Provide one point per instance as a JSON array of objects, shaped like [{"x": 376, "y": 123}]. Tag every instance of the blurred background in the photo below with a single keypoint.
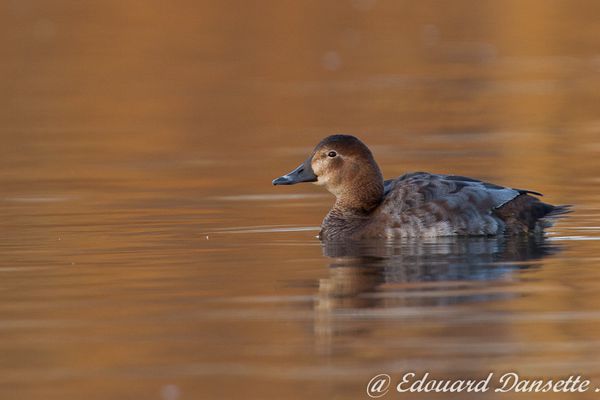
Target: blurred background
[
  {"x": 133, "y": 80},
  {"x": 145, "y": 253}
]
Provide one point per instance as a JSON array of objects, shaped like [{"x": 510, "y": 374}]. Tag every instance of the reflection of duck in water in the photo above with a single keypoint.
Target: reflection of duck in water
[
  {"x": 380, "y": 276},
  {"x": 418, "y": 204},
  {"x": 360, "y": 267}
]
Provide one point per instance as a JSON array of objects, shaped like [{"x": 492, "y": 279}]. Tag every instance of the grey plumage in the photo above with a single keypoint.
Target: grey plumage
[{"x": 424, "y": 204}]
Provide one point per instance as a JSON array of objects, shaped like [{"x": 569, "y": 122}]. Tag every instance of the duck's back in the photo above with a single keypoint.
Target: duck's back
[{"x": 424, "y": 204}]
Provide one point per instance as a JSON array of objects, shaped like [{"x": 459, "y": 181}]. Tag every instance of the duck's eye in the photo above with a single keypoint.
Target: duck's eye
[{"x": 332, "y": 154}]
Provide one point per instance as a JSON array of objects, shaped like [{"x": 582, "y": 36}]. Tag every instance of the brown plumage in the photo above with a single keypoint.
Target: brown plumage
[
  {"x": 415, "y": 204},
  {"x": 526, "y": 213}
]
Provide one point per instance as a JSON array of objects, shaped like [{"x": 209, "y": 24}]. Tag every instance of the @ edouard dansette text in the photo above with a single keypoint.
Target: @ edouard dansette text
[{"x": 505, "y": 382}]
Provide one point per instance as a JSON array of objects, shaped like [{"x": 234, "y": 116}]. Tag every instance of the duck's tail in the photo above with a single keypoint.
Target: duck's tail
[
  {"x": 555, "y": 213},
  {"x": 526, "y": 214}
]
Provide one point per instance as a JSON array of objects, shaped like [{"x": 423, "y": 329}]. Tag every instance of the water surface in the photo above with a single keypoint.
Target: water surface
[{"x": 146, "y": 255}]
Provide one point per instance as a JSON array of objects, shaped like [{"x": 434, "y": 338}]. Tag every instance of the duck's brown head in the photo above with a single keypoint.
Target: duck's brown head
[{"x": 345, "y": 166}]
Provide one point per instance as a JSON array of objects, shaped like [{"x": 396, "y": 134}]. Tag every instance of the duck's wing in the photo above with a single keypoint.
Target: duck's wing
[
  {"x": 446, "y": 204},
  {"x": 418, "y": 188}
]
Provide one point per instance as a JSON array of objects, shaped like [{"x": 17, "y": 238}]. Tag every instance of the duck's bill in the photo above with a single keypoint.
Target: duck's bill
[{"x": 303, "y": 173}]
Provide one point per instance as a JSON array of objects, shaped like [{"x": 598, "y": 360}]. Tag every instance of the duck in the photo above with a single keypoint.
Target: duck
[{"x": 416, "y": 204}]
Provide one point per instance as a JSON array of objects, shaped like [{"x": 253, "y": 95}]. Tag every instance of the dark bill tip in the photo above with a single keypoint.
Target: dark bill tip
[{"x": 282, "y": 180}]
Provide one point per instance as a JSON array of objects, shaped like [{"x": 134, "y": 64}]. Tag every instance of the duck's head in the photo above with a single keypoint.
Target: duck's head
[{"x": 346, "y": 167}]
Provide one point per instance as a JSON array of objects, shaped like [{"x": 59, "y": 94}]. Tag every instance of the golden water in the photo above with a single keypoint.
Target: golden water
[{"x": 145, "y": 254}]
